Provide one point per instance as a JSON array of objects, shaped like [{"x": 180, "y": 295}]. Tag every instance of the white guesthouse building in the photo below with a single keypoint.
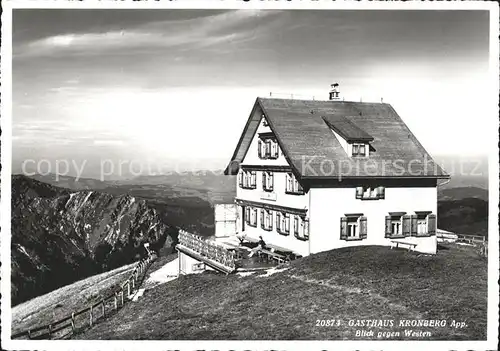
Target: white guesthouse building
[{"x": 318, "y": 175}]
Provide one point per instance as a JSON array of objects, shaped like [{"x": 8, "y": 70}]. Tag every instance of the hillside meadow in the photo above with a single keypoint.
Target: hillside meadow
[{"x": 348, "y": 287}]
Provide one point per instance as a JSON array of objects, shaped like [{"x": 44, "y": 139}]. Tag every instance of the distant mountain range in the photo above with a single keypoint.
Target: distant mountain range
[
  {"x": 185, "y": 200},
  {"x": 450, "y": 194},
  {"x": 59, "y": 235}
]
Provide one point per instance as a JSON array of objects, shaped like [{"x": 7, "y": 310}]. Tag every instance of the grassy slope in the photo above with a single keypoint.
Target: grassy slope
[
  {"x": 349, "y": 283},
  {"x": 63, "y": 301}
]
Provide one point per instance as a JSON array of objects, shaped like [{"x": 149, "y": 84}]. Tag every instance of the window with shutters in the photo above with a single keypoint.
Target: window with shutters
[
  {"x": 394, "y": 224},
  {"x": 266, "y": 219},
  {"x": 292, "y": 185},
  {"x": 251, "y": 216},
  {"x": 283, "y": 223},
  {"x": 353, "y": 227},
  {"x": 424, "y": 223},
  {"x": 248, "y": 179},
  {"x": 370, "y": 193},
  {"x": 268, "y": 146},
  {"x": 267, "y": 181},
  {"x": 301, "y": 227},
  {"x": 400, "y": 225}
]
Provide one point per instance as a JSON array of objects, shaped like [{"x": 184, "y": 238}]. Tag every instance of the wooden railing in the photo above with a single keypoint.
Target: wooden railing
[
  {"x": 207, "y": 249},
  {"x": 477, "y": 241},
  {"x": 471, "y": 239},
  {"x": 85, "y": 318}
]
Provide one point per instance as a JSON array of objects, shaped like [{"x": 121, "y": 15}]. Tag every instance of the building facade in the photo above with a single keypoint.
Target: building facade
[{"x": 318, "y": 175}]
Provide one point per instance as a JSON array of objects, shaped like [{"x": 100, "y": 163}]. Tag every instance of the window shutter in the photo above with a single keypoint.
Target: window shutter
[
  {"x": 271, "y": 220},
  {"x": 253, "y": 179},
  {"x": 271, "y": 181},
  {"x": 287, "y": 223},
  {"x": 300, "y": 189},
  {"x": 363, "y": 229},
  {"x": 431, "y": 224},
  {"x": 343, "y": 228},
  {"x": 359, "y": 192},
  {"x": 264, "y": 180},
  {"x": 381, "y": 192},
  {"x": 260, "y": 148},
  {"x": 278, "y": 219},
  {"x": 240, "y": 179},
  {"x": 362, "y": 151},
  {"x": 306, "y": 228},
  {"x": 388, "y": 229},
  {"x": 413, "y": 225},
  {"x": 406, "y": 225},
  {"x": 274, "y": 150},
  {"x": 262, "y": 218}
]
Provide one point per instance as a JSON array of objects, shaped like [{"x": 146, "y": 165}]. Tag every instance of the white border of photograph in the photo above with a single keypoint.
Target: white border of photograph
[{"x": 490, "y": 143}]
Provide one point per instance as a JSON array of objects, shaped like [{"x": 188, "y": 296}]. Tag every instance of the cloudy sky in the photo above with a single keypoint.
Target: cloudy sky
[{"x": 176, "y": 86}]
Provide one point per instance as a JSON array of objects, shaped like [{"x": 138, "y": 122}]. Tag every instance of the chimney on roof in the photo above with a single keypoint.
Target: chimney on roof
[{"x": 334, "y": 92}]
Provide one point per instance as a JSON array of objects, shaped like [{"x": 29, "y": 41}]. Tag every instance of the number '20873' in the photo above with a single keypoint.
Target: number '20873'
[{"x": 327, "y": 322}]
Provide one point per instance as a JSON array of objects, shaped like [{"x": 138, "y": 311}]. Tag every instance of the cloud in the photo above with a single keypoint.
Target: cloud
[
  {"x": 227, "y": 28},
  {"x": 108, "y": 142}
]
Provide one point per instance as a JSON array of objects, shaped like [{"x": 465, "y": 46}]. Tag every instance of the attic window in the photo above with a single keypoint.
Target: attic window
[
  {"x": 264, "y": 121},
  {"x": 268, "y": 146}
]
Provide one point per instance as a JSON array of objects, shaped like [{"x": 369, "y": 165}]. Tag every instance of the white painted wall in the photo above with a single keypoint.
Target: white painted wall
[
  {"x": 279, "y": 193},
  {"x": 328, "y": 205},
  {"x": 186, "y": 264},
  {"x": 252, "y": 156}
]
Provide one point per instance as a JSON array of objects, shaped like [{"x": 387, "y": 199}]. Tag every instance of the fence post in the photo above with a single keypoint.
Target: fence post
[
  {"x": 50, "y": 331},
  {"x": 122, "y": 295},
  {"x": 103, "y": 308},
  {"x": 90, "y": 316},
  {"x": 128, "y": 288},
  {"x": 133, "y": 283},
  {"x": 29, "y": 334},
  {"x": 116, "y": 301},
  {"x": 73, "y": 322}
]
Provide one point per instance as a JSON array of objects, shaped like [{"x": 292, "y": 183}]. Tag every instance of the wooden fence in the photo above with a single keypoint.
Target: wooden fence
[
  {"x": 471, "y": 239},
  {"x": 207, "y": 249},
  {"x": 85, "y": 318},
  {"x": 476, "y": 240}
]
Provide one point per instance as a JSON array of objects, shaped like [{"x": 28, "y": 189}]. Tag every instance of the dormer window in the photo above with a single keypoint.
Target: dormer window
[{"x": 359, "y": 150}]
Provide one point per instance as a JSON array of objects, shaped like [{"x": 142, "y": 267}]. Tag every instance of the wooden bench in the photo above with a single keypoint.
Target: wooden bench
[
  {"x": 396, "y": 243},
  {"x": 279, "y": 258}
]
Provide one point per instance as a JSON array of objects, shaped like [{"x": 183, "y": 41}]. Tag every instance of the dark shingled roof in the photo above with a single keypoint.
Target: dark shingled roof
[
  {"x": 302, "y": 128},
  {"x": 346, "y": 129}
]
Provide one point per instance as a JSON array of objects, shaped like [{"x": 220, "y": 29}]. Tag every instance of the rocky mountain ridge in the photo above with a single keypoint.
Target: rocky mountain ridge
[{"x": 59, "y": 236}]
